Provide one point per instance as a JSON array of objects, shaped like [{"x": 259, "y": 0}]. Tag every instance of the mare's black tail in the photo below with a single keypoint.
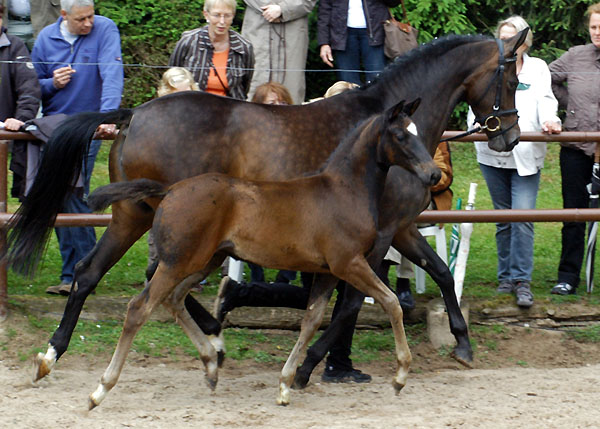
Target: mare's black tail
[
  {"x": 61, "y": 164},
  {"x": 136, "y": 190}
]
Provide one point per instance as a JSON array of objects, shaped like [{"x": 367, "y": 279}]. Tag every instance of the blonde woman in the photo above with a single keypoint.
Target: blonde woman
[{"x": 176, "y": 79}]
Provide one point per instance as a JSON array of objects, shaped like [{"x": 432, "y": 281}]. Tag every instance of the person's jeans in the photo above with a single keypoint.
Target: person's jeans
[
  {"x": 514, "y": 241},
  {"x": 576, "y": 173},
  {"x": 76, "y": 242},
  {"x": 348, "y": 61}
]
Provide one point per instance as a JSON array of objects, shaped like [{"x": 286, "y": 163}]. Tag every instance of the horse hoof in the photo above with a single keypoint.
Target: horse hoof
[
  {"x": 463, "y": 356},
  {"x": 220, "y": 358},
  {"x": 40, "y": 367},
  {"x": 300, "y": 381},
  {"x": 92, "y": 404},
  {"x": 397, "y": 386},
  {"x": 211, "y": 382}
]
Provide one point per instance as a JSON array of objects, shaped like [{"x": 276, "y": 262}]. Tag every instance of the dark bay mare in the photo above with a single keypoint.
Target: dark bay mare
[
  {"x": 186, "y": 134},
  {"x": 292, "y": 224}
]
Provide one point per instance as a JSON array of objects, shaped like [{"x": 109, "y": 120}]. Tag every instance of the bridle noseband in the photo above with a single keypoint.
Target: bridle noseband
[{"x": 487, "y": 120}]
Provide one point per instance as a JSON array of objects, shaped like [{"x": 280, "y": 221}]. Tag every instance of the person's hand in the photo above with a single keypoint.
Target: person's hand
[
  {"x": 551, "y": 127},
  {"x": 106, "y": 131},
  {"x": 62, "y": 76},
  {"x": 271, "y": 12},
  {"x": 326, "y": 55},
  {"x": 12, "y": 124}
]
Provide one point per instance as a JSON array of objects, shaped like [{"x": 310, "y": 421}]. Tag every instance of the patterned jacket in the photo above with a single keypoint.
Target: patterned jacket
[{"x": 194, "y": 51}]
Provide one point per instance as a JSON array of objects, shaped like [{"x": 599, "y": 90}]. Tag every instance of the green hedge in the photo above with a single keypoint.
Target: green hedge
[{"x": 150, "y": 29}]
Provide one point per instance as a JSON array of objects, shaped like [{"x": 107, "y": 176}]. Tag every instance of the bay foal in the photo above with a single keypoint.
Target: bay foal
[{"x": 324, "y": 223}]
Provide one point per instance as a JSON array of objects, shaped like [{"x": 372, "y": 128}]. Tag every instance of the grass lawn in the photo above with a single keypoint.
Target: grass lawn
[{"x": 127, "y": 275}]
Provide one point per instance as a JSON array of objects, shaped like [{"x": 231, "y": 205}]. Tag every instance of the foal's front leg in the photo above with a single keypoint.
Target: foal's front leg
[
  {"x": 317, "y": 303},
  {"x": 363, "y": 278}
]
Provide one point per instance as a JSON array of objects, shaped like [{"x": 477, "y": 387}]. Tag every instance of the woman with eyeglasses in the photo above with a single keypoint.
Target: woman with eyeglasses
[
  {"x": 513, "y": 178},
  {"x": 221, "y": 61}
]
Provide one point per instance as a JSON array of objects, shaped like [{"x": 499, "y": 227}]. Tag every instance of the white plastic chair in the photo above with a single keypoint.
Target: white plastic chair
[{"x": 440, "y": 248}]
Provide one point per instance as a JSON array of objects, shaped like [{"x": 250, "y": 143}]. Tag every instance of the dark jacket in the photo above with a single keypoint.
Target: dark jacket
[
  {"x": 19, "y": 88},
  {"x": 579, "y": 69},
  {"x": 333, "y": 15}
]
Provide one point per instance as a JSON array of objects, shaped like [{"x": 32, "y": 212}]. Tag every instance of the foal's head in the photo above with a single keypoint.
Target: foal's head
[{"x": 400, "y": 144}]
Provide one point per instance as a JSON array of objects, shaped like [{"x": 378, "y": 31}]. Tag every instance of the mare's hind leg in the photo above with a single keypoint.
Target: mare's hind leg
[
  {"x": 363, "y": 278},
  {"x": 126, "y": 227},
  {"x": 415, "y": 247},
  {"x": 138, "y": 311},
  {"x": 317, "y": 303}
]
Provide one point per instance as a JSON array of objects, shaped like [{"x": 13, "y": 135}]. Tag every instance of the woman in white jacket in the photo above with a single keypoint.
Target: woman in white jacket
[{"x": 513, "y": 177}]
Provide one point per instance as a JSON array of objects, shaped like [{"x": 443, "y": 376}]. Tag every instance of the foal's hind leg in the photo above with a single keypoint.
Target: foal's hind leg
[
  {"x": 205, "y": 348},
  {"x": 125, "y": 229},
  {"x": 138, "y": 312},
  {"x": 317, "y": 303},
  {"x": 415, "y": 247}
]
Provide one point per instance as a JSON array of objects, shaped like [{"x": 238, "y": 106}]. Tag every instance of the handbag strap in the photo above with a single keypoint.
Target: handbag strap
[{"x": 403, "y": 13}]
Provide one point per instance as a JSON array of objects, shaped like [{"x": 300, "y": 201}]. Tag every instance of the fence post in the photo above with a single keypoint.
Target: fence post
[{"x": 3, "y": 209}]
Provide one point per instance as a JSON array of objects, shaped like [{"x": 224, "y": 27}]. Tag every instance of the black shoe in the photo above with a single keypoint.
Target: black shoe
[
  {"x": 407, "y": 302},
  {"x": 222, "y": 304},
  {"x": 563, "y": 288},
  {"x": 331, "y": 375}
]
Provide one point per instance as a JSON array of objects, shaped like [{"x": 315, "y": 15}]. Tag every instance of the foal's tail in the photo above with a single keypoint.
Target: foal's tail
[
  {"x": 136, "y": 190},
  {"x": 61, "y": 164}
]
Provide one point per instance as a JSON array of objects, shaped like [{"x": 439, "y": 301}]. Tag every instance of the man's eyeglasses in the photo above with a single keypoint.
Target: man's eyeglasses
[{"x": 219, "y": 16}]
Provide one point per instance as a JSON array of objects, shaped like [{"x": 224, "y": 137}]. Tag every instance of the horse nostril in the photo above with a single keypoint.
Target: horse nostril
[{"x": 435, "y": 177}]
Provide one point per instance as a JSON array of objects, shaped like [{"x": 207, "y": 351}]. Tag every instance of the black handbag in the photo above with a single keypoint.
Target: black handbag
[{"x": 399, "y": 36}]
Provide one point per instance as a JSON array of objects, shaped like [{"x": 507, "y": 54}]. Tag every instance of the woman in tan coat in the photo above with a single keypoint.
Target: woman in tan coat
[{"x": 278, "y": 31}]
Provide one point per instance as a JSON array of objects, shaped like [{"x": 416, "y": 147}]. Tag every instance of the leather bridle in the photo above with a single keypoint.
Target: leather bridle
[{"x": 488, "y": 120}]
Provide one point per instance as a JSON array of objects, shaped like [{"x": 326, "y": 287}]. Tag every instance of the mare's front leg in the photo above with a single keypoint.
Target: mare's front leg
[
  {"x": 317, "y": 303},
  {"x": 138, "y": 312},
  {"x": 125, "y": 228},
  {"x": 414, "y": 246},
  {"x": 363, "y": 278}
]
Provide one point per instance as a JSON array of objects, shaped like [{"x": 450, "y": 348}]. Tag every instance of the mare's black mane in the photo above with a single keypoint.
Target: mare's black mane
[{"x": 432, "y": 50}]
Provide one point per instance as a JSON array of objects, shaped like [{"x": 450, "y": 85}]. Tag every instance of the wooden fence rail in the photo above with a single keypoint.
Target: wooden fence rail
[{"x": 451, "y": 216}]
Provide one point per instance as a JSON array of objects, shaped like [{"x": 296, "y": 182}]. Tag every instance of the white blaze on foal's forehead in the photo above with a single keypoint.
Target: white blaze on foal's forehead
[{"x": 412, "y": 128}]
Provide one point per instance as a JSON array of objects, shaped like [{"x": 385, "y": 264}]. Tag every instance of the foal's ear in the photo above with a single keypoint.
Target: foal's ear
[
  {"x": 411, "y": 107},
  {"x": 394, "y": 111},
  {"x": 511, "y": 45}
]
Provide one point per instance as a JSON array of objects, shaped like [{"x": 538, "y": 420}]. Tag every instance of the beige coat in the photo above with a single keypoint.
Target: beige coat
[{"x": 280, "y": 48}]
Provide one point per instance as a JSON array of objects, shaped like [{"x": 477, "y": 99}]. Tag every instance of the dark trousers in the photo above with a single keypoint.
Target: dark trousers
[
  {"x": 263, "y": 294},
  {"x": 576, "y": 173}
]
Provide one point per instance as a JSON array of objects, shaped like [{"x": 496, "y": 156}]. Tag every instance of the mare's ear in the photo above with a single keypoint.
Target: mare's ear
[
  {"x": 393, "y": 112},
  {"x": 511, "y": 45},
  {"x": 412, "y": 107}
]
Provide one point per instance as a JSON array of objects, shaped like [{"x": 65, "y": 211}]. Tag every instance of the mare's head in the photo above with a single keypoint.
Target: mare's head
[
  {"x": 400, "y": 144},
  {"x": 495, "y": 86}
]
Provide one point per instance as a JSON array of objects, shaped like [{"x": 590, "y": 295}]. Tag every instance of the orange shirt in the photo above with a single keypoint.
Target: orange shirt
[{"x": 214, "y": 85}]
